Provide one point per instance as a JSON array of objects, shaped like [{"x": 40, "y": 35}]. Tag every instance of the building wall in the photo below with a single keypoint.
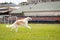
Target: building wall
[
  {"x": 33, "y": 1},
  {"x": 42, "y": 14}
]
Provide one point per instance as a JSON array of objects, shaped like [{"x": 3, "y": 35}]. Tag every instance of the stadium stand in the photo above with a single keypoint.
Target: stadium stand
[{"x": 40, "y": 12}]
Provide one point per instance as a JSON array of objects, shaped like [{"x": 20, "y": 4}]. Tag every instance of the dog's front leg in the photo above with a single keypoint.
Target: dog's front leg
[{"x": 27, "y": 26}]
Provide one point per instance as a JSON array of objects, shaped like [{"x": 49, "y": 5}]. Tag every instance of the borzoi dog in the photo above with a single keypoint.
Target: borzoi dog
[{"x": 23, "y": 22}]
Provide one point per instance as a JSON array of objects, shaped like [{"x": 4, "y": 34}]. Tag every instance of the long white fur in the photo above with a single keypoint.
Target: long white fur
[{"x": 25, "y": 24}]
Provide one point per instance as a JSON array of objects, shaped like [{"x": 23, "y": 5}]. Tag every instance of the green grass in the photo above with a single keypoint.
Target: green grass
[{"x": 38, "y": 32}]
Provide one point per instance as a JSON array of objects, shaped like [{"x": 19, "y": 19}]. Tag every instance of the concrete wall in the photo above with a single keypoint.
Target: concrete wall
[{"x": 37, "y": 1}]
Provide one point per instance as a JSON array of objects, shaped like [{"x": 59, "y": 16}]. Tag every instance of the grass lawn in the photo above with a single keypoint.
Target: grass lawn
[{"x": 38, "y": 32}]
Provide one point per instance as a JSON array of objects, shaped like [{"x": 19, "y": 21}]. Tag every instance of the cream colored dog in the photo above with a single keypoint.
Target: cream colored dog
[{"x": 19, "y": 22}]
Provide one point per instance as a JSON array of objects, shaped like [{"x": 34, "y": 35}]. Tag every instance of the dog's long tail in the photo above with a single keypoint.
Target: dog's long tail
[{"x": 8, "y": 25}]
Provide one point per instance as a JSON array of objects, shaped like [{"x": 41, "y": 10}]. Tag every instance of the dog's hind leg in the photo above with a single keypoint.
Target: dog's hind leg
[
  {"x": 12, "y": 29},
  {"x": 16, "y": 29}
]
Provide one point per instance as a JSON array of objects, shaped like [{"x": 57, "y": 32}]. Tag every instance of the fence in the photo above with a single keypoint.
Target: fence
[
  {"x": 7, "y": 19},
  {"x": 11, "y": 19}
]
